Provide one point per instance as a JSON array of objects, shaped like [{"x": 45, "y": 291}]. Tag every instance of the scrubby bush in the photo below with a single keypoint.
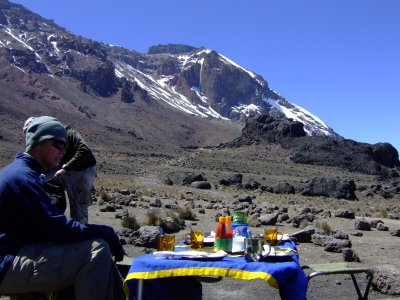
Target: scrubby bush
[
  {"x": 303, "y": 224},
  {"x": 324, "y": 226},
  {"x": 383, "y": 212},
  {"x": 130, "y": 222},
  {"x": 104, "y": 196},
  {"x": 152, "y": 218},
  {"x": 186, "y": 213}
]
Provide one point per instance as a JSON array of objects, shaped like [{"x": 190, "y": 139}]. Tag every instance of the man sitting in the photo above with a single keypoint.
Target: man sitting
[{"x": 41, "y": 250}]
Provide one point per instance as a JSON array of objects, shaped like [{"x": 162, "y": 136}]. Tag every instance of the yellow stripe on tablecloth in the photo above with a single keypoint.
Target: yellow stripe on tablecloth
[{"x": 207, "y": 271}]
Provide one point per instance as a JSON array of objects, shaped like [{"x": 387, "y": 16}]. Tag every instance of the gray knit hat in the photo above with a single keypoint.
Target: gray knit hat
[{"x": 42, "y": 129}]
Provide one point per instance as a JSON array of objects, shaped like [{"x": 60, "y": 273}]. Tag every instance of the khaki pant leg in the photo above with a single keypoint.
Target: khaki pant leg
[
  {"x": 49, "y": 267},
  {"x": 79, "y": 186}
]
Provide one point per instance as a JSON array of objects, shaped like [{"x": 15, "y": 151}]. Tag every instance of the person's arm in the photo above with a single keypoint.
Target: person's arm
[
  {"x": 78, "y": 156},
  {"x": 44, "y": 223}
]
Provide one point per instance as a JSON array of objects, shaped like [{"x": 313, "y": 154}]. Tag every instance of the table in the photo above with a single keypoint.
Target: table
[{"x": 287, "y": 275}]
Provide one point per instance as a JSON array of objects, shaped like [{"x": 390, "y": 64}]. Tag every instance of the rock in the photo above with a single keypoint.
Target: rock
[
  {"x": 393, "y": 216},
  {"x": 362, "y": 225},
  {"x": 350, "y": 255},
  {"x": 336, "y": 245},
  {"x": 330, "y": 243},
  {"x": 253, "y": 221},
  {"x": 320, "y": 239},
  {"x": 340, "y": 235},
  {"x": 330, "y": 187},
  {"x": 283, "y": 217},
  {"x": 343, "y": 213},
  {"x": 202, "y": 185},
  {"x": 269, "y": 219},
  {"x": 385, "y": 154},
  {"x": 297, "y": 220},
  {"x": 235, "y": 179},
  {"x": 356, "y": 233},
  {"x": 122, "y": 214},
  {"x": 243, "y": 198},
  {"x": 283, "y": 188},
  {"x": 270, "y": 129},
  {"x": 171, "y": 204},
  {"x": 305, "y": 235},
  {"x": 155, "y": 202},
  {"x": 169, "y": 225},
  {"x": 146, "y": 236},
  {"x": 382, "y": 227},
  {"x": 251, "y": 185},
  {"x": 125, "y": 192},
  {"x": 396, "y": 232},
  {"x": 183, "y": 178},
  {"x": 374, "y": 223},
  {"x": 386, "y": 280}
]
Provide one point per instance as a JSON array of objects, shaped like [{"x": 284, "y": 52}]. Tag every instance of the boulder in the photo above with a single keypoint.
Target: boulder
[
  {"x": 395, "y": 232},
  {"x": 382, "y": 227},
  {"x": 269, "y": 219},
  {"x": 343, "y": 213},
  {"x": 283, "y": 188},
  {"x": 202, "y": 185},
  {"x": 146, "y": 236},
  {"x": 350, "y": 255},
  {"x": 386, "y": 280},
  {"x": 362, "y": 225},
  {"x": 235, "y": 179},
  {"x": 336, "y": 245},
  {"x": 183, "y": 178},
  {"x": 305, "y": 235},
  {"x": 330, "y": 187},
  {"x": 169, "y": 225}
]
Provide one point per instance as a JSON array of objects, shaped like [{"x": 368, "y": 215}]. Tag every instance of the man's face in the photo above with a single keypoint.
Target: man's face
[{"x": 50, "y": 153}]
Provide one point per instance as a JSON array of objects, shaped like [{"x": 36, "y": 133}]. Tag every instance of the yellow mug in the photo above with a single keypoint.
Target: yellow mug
[
  {"x": 272, "y": 236},
  {"x": 165, "y": 243},
  {"x": 195, "y": 239}
]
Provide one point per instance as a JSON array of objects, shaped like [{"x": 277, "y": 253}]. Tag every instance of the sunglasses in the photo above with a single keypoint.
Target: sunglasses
[{"x": 59, "y": 145}]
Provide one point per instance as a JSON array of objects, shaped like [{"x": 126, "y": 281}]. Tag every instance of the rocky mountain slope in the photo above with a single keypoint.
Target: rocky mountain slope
[{"x": 196, "y": 81}]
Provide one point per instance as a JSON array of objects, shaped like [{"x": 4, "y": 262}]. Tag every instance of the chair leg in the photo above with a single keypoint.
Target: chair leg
[{"x": 360, "y": 296}]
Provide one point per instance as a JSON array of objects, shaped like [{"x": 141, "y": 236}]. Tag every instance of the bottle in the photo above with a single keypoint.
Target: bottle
[
  {"x": 229, "y": 234},
  {"x": 220, "y": 235}
]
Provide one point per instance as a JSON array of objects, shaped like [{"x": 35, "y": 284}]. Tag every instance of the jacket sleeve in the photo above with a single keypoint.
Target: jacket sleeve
[{"x": 78, "y": 156}]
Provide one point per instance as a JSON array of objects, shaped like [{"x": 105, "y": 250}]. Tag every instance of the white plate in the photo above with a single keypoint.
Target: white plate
[
  {"x": 195, "y": 255},
  {"x": 211, "y": 256},
  {"x": 209, "y": 240}
]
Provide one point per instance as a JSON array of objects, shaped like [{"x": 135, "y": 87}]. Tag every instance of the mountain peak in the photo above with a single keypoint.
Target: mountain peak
[
  {"x": 170, "y": 49},
  {"x": 196, "y": 81}
]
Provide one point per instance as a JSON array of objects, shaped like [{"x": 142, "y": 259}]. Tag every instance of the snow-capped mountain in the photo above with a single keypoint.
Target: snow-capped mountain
[{"x": 197, "y": 81}]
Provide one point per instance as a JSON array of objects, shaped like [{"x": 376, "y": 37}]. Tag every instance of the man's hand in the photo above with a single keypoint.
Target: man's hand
[{"x": 59, "y": 174}]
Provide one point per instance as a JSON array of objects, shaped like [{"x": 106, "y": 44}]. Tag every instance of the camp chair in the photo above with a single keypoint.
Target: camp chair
[{"x": 341, "y": 268}]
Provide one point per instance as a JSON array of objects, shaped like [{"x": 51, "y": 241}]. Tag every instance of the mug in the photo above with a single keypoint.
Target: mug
[
  {"x": 272, "y": 236},
  {"x": 195, "y": 239},
  {"x": 165, "y": 243},
  {"x": 255, "y": 249}
]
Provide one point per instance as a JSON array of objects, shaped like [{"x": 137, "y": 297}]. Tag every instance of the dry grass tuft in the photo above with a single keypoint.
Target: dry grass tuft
[
  {"x": 152, "y": 218},
  {"x": 324, "y": 226},
  {"x": 186, "y": 214},
  {"x": 130, "y": 222}
]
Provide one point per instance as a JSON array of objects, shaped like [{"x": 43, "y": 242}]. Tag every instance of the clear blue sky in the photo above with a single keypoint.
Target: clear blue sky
[{"x": 339, "y": 59}]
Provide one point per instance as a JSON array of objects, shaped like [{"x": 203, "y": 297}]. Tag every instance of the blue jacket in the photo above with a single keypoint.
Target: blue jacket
[{"x": 28, "y": 217}]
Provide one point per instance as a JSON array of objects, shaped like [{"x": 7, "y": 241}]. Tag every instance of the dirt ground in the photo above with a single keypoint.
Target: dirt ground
[{"x": 374, "y": 248}]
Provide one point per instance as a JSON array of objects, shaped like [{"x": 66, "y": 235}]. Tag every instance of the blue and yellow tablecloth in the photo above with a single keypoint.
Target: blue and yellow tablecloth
[{"x": 287, "y": 276}]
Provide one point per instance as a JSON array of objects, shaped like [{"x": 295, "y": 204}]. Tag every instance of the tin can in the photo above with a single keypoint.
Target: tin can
[{"x": 239, "y": 217}]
